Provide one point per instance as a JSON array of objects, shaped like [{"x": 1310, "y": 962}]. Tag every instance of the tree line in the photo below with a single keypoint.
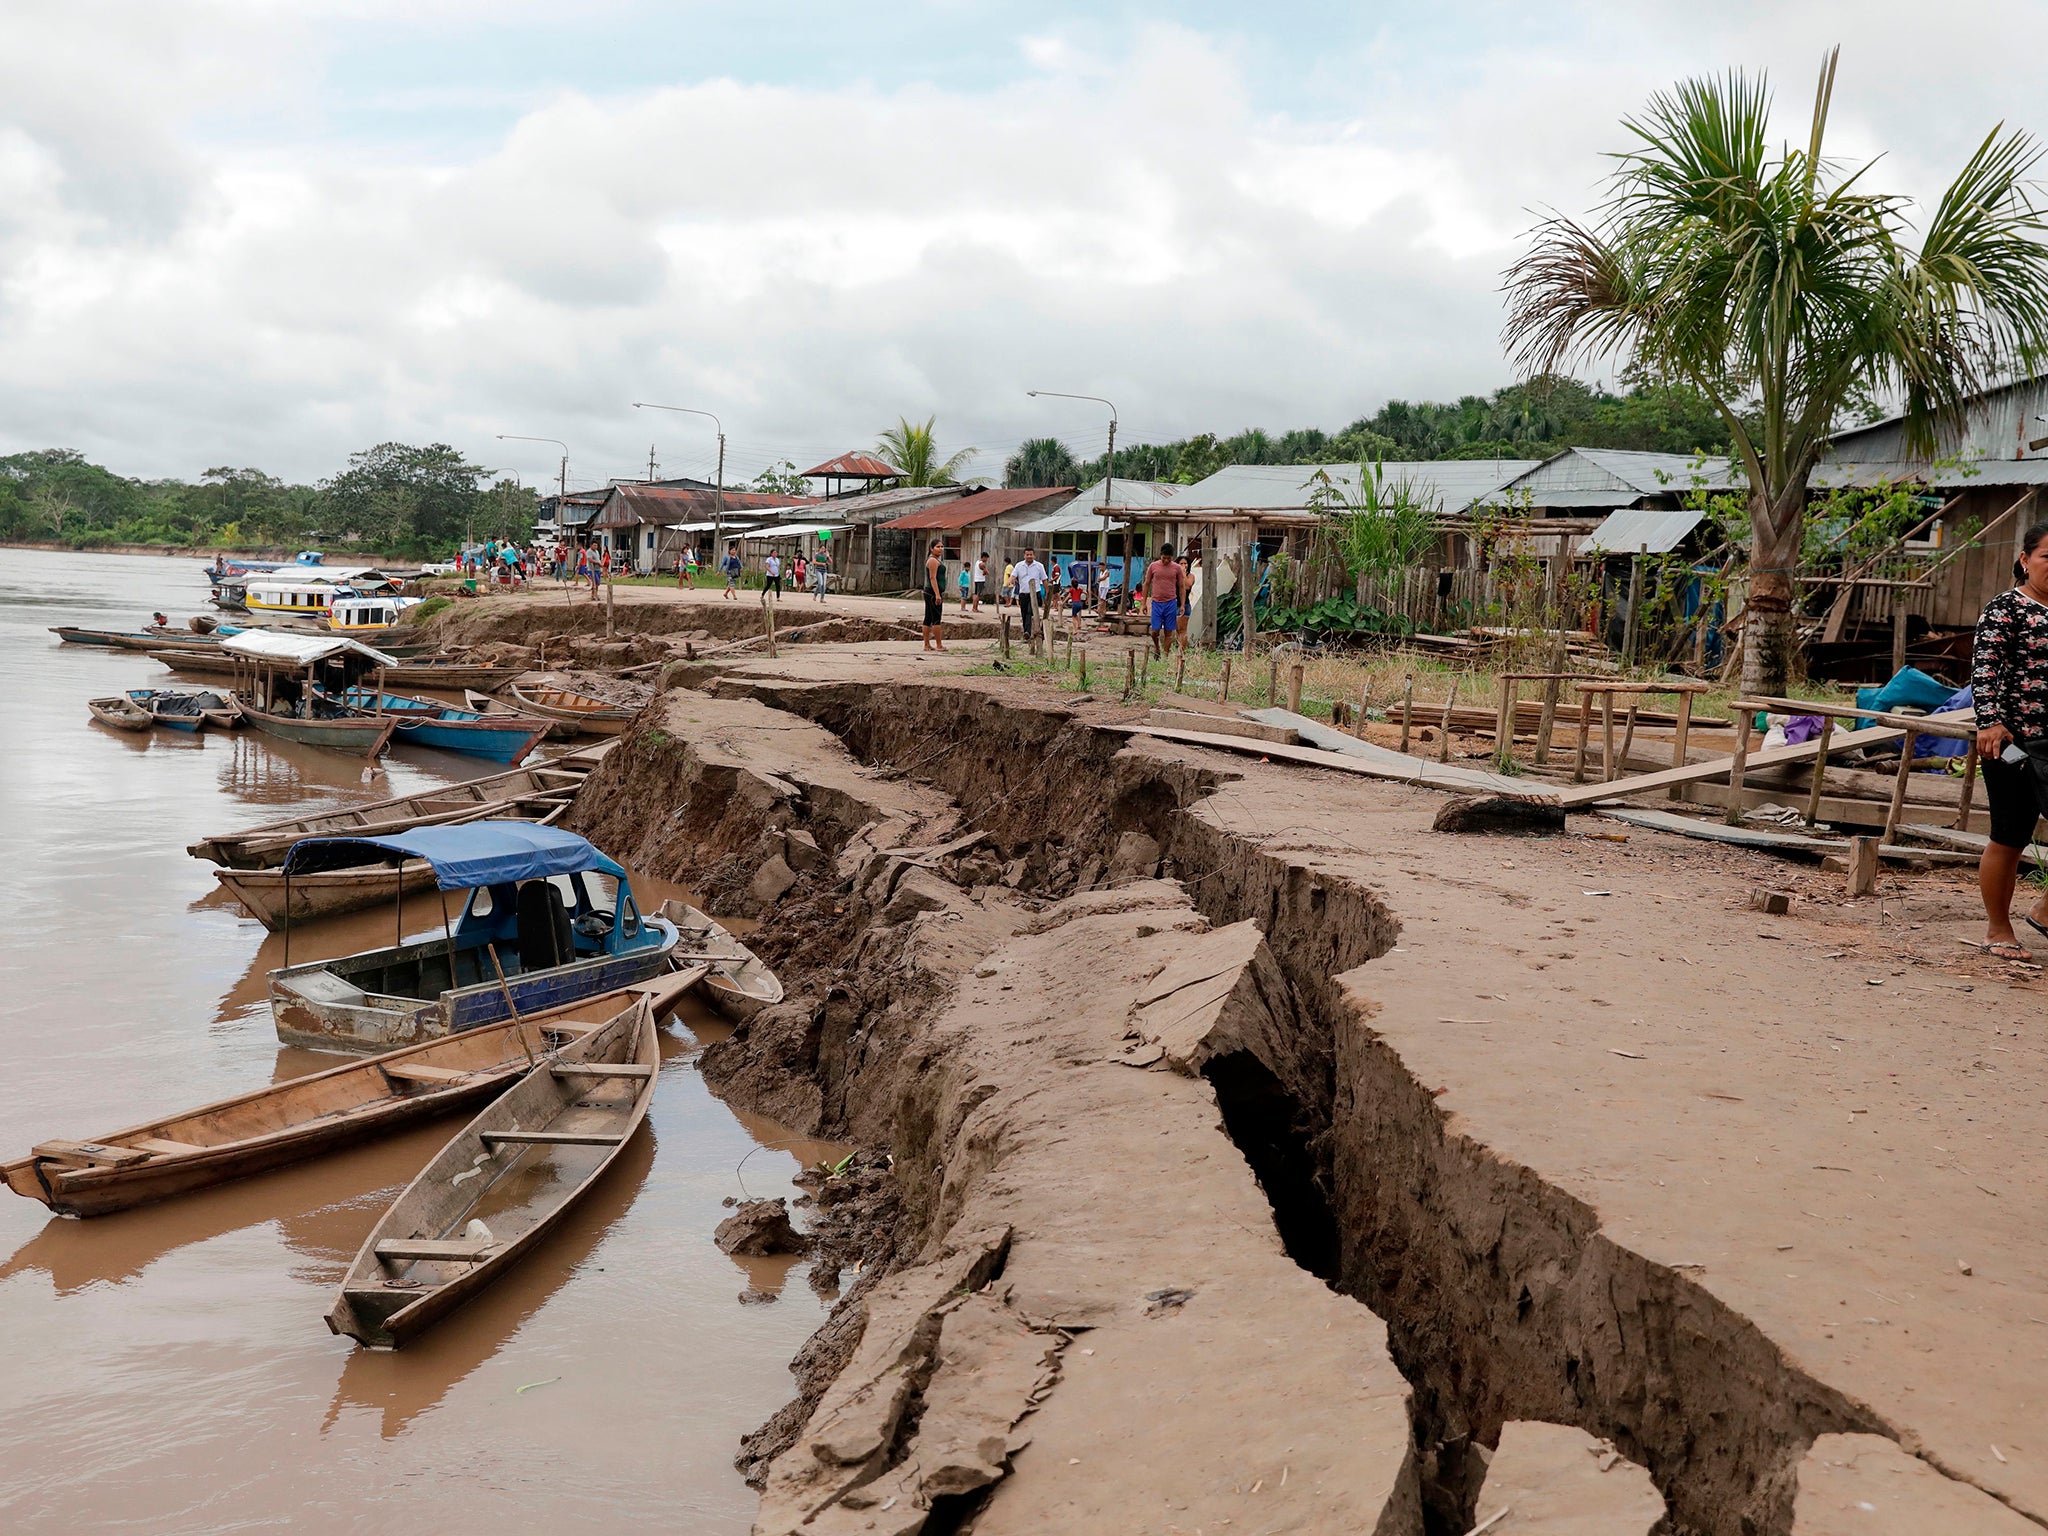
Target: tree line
[
  {"x": 393, "y": 499},
  {"x": 1531, "y": 420}
]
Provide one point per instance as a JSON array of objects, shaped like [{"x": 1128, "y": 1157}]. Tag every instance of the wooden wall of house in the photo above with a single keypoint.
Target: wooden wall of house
[{"x": 1968, "y": 581}]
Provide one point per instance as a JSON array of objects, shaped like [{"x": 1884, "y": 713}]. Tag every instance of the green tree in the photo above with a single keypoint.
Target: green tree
[
  {"x": 781, "y": 480},
  {"x": 411, "y": 501},
  {"x": 914, "y": 450},
  {"x": 1778, "y": 287},
  {"x": 1041, "y": 461}
]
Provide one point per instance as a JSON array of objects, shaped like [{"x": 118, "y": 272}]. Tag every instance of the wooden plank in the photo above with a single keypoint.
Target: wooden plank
[
  {"x": 164, "y": 1147},
  {"x": 1768, "y": 842},
  {"x": 1963, "y": 842},
  {"x": 92, "y": 1152},
  {"x": 405, "y": 1250},
  {"x": 554, "y": 1138},
  {"x": 420, "y": 1072},
  {"x": 1578, "y": 796},
  {"x": 1836, "y": 809},
  {"x": 1227, "y": 725},
  {"x": 1405, "y": 770},
  {"x": 606, "y": 1069}
]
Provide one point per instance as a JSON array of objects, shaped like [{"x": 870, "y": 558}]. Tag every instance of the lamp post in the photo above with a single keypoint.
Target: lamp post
[
  {"x": 1108, "y": 475},
  {"x": 718, "y": 503}
]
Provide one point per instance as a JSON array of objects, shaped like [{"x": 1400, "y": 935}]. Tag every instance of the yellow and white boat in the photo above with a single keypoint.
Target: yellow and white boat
[{"x": 366, "y": 615}]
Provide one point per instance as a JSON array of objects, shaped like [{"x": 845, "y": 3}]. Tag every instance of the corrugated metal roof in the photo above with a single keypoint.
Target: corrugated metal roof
[
  {"x": 1630, "y": 529},
  {"x": 1133, "y": 493},
  {"x": 795, "y": 530},
  {"x": 1945, "y": 477},
  {"x": 627, "y": 506},
  {"x": 1454, "y": 484},
  {"x": 1999, "y": 424},
  {"x": 980, "y": 506},
  {"x": 1076, "y": 517},
  {"x": 854, "y": 466}
]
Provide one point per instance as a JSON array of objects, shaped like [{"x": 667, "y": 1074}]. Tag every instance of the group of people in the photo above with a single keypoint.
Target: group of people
[
  {"x": 814, "y": 571},
  {"x": 1168, "y": 586}
]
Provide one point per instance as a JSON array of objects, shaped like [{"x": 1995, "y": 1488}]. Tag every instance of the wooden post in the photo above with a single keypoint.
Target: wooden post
[
  {"x": 1247, "y": 595},
  {"x": 1898, "y": 805},
  {"x": 1223, "y": 690},
  {"x": 1294, "y": 688},
  {"x": 1678, "y": 738},
  {"x": 1358, "y": 720},
  {"x": 1585, "y": 731},
  {"x": 1628, "y": 735},
  {"x": 1006, "y": 632},
  {"x": 1548, "y": 723},
  {"x": 1820, "y": 771},
  {"x": 768, "y": 608},
  {"x": 1443, "y": 746},
  {"x": 1272, "y": 677},
  {"x": 1180, "y": 671},
  {"x": 1898, "y": 634},
  {"x": 1862, "y": 865},
  {"x": 1070, "y": 649},
  {"x": 1084, "y": 666},
  {"x": 1743, "y": 725},
  {"x": 1130, "y": 673},
  {"x": 608, "y": 605},
  {"x": 1407, "y": 708},
  {"x": 1969, "y": 789},
  {"x": 1606, "y": 735},
  {"x": 1630, "y": 624}
]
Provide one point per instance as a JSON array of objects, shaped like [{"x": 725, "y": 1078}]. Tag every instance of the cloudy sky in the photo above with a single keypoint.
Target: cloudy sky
[{"x": 271, "y": 232}]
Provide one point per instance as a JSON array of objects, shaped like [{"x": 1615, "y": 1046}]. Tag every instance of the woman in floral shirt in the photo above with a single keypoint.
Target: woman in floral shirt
[{"x": 2009, "y": 681}]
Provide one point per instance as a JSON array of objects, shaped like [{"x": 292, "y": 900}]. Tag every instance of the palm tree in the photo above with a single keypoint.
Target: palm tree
[
  {"x": 1783, "y": 291},
  {"x": 914, "y": 450},
  {"x": 1041, "y": 461}
]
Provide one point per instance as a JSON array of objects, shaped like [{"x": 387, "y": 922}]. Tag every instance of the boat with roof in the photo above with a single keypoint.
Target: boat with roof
[{"x": 546, "y": 919}]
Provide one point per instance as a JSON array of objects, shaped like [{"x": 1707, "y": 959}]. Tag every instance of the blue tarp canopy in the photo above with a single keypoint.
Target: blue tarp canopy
[{"x": 475, "y": 853}]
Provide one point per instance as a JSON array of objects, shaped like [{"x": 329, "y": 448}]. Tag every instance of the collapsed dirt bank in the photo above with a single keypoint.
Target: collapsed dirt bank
[{"x": 1581, "y": 1179}]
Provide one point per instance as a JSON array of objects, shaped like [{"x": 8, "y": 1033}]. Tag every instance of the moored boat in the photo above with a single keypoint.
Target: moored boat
[
  {"x": 356, "y": 735},
  {"x": 289, "y": 1121},
  {"x": 491, "y": 1194},
  {"x": 425, "y": 723},
  {"x": 291, "y": 683},
  {"x": 490, "y": 708},
  {"x": 451, "y": 676},
  {"x": 122, "y": 713},
  {"x": 151, "y": 639},
  {"x": 265, "y": 893},
  {"x": 518, "y": 944},
  {"x": 739, "y": 984},
  {"x": 186, "y": 710},
  {"x": 591, "y": 717}
]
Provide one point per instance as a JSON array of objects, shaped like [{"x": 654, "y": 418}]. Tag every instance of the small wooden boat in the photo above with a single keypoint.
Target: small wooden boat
[
  {"x": 309, "y": 1116},
  {"x": 150, "y": 639},
  {"x": 424, "y": 723},
  {"x": 356, "y": 734},
  {"x": 508, "y": 1176},
  {"x": 490, "y": 709},
  {"x": 183, "y": 710},
  {"x": 591, "y": 717},
  {"x": 452, "y": 676},
  {"x": 262, "y": 892},
  {"x": 538, "y": 929},
  {"x": 520, "y": 794},
  {"x": 122, "y": 713},
  {"x": 739, "y": 985}
]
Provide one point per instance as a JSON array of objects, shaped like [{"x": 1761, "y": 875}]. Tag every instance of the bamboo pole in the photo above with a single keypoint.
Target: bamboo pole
[
  {"x": 1743, "y": 724},
  {"x": 1820, "y": 768},
  {"x": 1407, "y": 708}
]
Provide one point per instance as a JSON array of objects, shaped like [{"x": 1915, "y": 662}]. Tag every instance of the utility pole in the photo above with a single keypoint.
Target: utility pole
[
  {"x": 650, "y": 461},
  {"x": 1108, "y": 475},
  {"x": 718, "y": 503}
]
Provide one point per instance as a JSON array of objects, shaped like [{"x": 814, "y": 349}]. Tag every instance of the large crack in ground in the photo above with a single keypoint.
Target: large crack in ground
[{"x": 1502, "y": 1297}]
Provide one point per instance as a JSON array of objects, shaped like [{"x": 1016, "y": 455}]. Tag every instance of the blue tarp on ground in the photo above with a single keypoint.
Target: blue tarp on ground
[{"x": 475, "y": 853}]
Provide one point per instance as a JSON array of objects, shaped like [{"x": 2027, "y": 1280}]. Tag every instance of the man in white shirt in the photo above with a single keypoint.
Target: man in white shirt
[
  {"x": 772, "y": 569},
  {"x": 1030, "y": 589}
]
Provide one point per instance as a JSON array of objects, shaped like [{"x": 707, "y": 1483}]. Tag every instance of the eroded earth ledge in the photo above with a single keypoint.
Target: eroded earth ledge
[{"x": 1260, "y": 1156}]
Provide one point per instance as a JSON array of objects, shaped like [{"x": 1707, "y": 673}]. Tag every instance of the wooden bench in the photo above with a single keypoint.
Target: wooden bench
[
  {"x": 554, "y": 1138},
  {"x": 164, "y": 1147},
  {"x": 406, "y": 1250},
  {"x": 606, "y": 1069},
  {"x": 426, "y": 1074}
]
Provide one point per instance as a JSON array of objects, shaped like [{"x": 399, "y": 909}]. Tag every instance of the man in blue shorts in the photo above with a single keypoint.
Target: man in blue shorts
[{"x": 1162, "y": 586}]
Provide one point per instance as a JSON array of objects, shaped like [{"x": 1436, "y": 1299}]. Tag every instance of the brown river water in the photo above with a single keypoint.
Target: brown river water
[{"x": 166, "y": 1370}]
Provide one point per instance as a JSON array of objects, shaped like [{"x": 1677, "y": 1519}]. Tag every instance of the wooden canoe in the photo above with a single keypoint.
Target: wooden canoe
[
  {"x": 739, "y": 985},
  {"x": 122, "y": 713},
  {"x": 528, "y": 794},
  {"x": 326, "y": 894},
  {"x": 493, "y": 1192},
  {"x": 590, "y": 717},
  {"x": 357, "y": 735},
  {"x": 286, "y": 1122},
  {"x": 484, "y": 704},
  {"x": 451, "y": 675}
]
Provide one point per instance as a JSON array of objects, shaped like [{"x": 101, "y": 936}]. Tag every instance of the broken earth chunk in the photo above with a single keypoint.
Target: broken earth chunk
[{"x": 760, "y": 1227}]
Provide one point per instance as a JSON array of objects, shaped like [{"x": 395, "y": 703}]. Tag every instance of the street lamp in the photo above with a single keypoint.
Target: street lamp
[
  {"x": 718, "y": 512},
  {"x": 1108, "y": 475}
]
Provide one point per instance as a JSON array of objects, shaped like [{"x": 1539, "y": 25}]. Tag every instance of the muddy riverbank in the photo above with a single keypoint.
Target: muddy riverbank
[{"x": 1424, "y": 1058}]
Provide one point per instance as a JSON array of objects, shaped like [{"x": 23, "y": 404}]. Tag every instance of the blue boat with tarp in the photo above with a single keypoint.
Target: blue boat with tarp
[{"x": 547, "y": 920}]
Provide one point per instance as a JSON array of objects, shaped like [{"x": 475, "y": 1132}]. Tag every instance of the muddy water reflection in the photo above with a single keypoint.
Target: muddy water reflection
[{"x": 166, "y": 1369}]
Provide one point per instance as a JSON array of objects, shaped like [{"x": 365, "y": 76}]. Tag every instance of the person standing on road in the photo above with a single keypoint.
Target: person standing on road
[
  {"x": 1030, "y": 588},
  {"x": 980, "y": 579},
  {"x": 1162, "y": 586},
  {"x": 772, "y": 569},
  {"x": 731, "y": 565},
  {"x": 821, "y": 573},
  {"x": 934, "y": 596},
  {"x": 1009, "y": 584},
  {"x": 797, "y": 572},
  {"x": 1187, "y": 599},
  {"x": 2009, "y": 684}
]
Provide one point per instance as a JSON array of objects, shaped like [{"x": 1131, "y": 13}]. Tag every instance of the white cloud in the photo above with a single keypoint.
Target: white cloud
[{"x": 179, "y": 288}]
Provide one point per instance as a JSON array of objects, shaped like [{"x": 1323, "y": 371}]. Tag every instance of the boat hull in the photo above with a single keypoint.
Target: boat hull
[
  {"x": 310, "y": 1009},
  {"x": 588, "y": 718},
  {"x": 327, "y": 894},
  {"x": 122, "y": 714},
  {"x": 738, "y": 985},
  {"x": 473, "y": 738},
  {"x": 387, "y": 1302},
  {"x": 357, "y": 738},
  {"x": 450, "y": 676}
]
